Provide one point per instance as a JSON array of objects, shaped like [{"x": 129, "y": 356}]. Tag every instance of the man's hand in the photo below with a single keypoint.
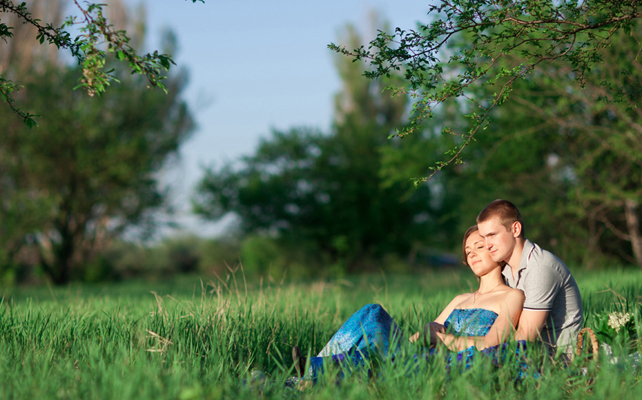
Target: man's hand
[
  {"x": 430, "y": 334},
  {"x": 431, "y": 330}
]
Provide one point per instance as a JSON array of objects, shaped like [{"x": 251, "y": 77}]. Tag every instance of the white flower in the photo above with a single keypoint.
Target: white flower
[{"x": 617, "y": 320}]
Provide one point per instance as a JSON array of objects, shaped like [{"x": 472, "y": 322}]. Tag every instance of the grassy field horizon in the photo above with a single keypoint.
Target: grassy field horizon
[{"x": 202, "y": 338}]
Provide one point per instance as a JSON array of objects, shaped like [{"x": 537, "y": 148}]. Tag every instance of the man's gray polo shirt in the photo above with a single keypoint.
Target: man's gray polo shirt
[{"x": 549, "y": 286}]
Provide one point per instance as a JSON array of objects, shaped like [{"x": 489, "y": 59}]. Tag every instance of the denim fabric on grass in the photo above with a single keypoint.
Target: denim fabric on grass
[
  {"x": 368, "y": 328},
  {"x": 371, "y": 330}
]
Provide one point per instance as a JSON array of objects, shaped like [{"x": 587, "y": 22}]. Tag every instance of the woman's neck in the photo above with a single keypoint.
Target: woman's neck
[{"x": 490, "y": 281}]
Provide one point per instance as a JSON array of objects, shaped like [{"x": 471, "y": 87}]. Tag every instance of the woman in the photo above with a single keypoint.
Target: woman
[{"x": 483, "y": 319}]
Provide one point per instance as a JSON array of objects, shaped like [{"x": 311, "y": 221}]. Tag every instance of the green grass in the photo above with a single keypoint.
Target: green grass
[{"x": 191, "y": 340}]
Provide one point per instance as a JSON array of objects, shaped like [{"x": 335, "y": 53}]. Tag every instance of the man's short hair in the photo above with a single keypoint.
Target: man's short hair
[{"x": 505, "y": 210}]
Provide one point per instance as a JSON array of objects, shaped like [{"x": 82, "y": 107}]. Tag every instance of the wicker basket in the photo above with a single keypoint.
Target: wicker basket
[{"x": 594, "y": 345}]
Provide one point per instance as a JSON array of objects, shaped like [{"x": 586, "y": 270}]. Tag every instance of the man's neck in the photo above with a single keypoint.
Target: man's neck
[{"x": 516, "y": 256}]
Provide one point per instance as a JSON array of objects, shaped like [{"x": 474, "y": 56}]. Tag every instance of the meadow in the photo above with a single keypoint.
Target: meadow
[{"x": 193, "y": 338}]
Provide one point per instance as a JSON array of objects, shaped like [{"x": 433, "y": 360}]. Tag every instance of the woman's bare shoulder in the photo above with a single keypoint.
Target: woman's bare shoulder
[
  {"x": 460, "y": 298},
  {"x": 463, "y": 296},
  {"x": 513, "y": 294}
]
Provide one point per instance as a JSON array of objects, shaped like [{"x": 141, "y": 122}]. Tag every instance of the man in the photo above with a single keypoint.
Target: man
[{"x": 552, "y": 306}]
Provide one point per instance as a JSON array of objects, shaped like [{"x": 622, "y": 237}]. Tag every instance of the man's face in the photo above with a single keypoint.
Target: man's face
[{"x": 500, "y": 241}]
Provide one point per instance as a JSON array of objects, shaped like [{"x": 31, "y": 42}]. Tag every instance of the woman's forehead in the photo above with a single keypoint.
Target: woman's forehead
[{"x": 473, "y": 238}]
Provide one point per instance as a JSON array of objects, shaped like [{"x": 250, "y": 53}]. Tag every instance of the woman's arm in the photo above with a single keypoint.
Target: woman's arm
[
  {"x": 438, "y": 324},
  {"x": 441, "y": 318},
  {"x": 500, "y": 331}
]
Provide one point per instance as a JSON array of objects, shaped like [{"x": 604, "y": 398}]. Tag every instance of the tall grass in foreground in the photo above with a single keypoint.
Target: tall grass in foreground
[{"x": 191, "y": 340}]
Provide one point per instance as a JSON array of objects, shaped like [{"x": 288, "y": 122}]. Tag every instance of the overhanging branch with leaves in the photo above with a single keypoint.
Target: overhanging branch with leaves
[
  {"x": 470, "y": 44},
  {"x": 96, "y": 33}
]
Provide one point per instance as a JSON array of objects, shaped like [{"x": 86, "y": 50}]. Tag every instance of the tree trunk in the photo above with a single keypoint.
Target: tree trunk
[
  {"x": 633, "y": 225},
  {"x": 63, "y": 259},
  {"x": 595, "y": 233}
]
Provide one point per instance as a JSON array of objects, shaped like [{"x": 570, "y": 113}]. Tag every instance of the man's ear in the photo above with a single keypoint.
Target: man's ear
[{"x": 516, "y": 229}]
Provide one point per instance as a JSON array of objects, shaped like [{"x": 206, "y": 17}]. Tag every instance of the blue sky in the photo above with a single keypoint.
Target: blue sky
[{"x": 256, "y": 66}]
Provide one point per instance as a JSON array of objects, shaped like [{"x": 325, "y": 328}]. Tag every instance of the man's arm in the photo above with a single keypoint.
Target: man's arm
[{"x": 530, "y": 324}]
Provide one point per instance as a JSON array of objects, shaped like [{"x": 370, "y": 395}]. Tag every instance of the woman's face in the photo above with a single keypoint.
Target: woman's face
[{"x": 477, "y": 255}]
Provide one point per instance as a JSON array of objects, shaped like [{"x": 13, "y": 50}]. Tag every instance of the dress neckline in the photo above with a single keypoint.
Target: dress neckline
[
  {"x": 470, "y": 321},
  {"x": 475, "y": 309}
]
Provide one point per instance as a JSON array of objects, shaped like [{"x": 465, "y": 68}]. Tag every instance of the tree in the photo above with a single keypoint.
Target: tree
[
  {"x": 305, "y": 187},
  {"x": 88, "y": 47},
  {"x": 570, "y": 159},
  {"x": 596, "y": 142},
  {"x": 92, "y": 167},
  {"x": 529, "y": 33}
]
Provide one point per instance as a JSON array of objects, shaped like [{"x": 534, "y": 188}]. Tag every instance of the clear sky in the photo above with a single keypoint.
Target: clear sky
[{"x": 257, "y": 65}]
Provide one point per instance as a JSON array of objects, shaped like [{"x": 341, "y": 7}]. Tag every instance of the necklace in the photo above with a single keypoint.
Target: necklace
[{"x": 488, "y": 291}]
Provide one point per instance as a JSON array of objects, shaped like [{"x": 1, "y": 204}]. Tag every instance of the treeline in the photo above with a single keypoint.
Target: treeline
[
  {"x": 322, "y": 195},
  {"x": 251, "y": 257},
  {"x": 91, "y": 170},
  {"x": 569, "y": 157},
  {"x": 311, "y": 202}
]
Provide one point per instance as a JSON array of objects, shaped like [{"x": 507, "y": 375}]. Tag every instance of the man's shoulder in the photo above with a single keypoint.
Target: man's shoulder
[{"x": 544, "y": 259}]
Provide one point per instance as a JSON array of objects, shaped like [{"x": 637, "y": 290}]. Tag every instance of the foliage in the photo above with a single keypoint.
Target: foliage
[
  {"x": 91, "y": 170},
  {"x": 566, "y": 156},
  {"x": 218, "y": 254},
  {"x": 127, "y": 260},
  {"x": 585, "y": 149},
  {"x": 20, "y": 215},
  {"x": 88, "y": 48},
  {"x": 616, "y": 328},
  {"x": 504, "y": 42},
  {"x": 597, "y": 143},
  {"x": 201, "y": 340},
  {"x": 157, "y": 260},
  {"x": 324, "y": 191},
  {"x": 317, "y": 192},
  {"x": 261, "y": 255}
]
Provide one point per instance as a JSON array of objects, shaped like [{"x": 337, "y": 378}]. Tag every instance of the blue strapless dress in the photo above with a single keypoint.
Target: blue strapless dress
[
  {"x": 470, "y": 321},
  {"x": 372, "y": 329}
]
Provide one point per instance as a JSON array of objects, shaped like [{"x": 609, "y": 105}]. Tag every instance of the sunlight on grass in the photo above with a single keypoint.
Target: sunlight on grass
[{"x": 190, "y": 340}]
